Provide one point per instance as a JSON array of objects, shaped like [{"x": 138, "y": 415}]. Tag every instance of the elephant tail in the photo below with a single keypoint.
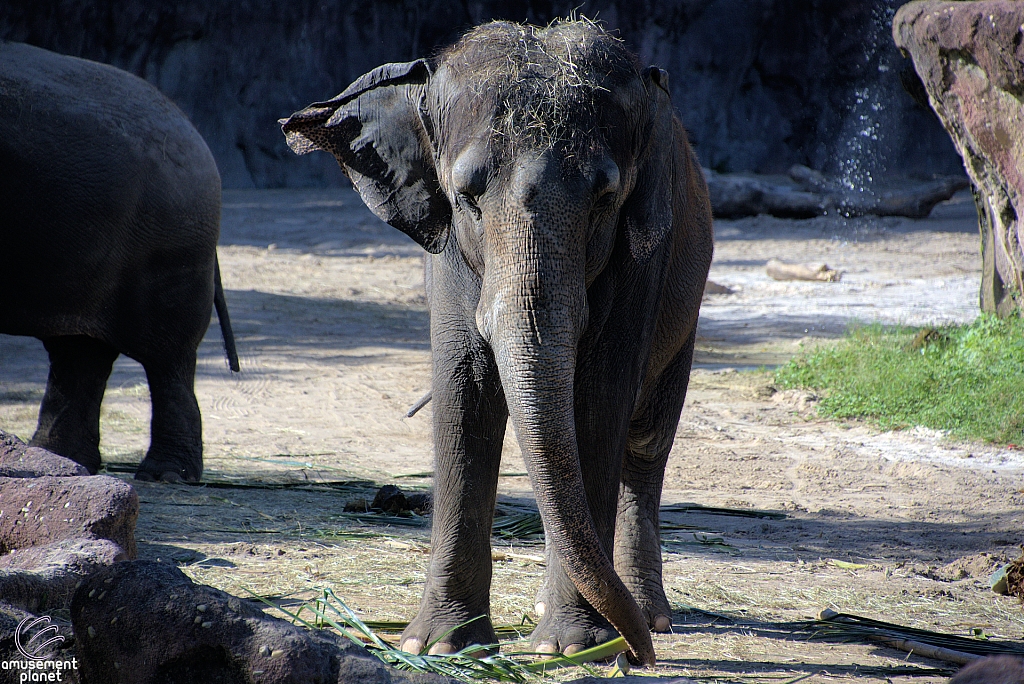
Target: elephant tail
[{"x": 221, "y": 305}]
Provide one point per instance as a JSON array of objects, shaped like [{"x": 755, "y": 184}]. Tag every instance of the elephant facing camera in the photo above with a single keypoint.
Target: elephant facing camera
[{"x": 567, "y": 220}]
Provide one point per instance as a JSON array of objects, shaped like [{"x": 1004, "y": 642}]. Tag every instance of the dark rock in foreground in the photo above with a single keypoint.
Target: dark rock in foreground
[
  {"x": 10, "y": 446},
  {"x": 42, "y": 578},
  {"x": 143, "y": 622},
  {"x": 11, "y": 618},
  {"x": 36, "y": 462},
  {"x": 42, "y": 510}
]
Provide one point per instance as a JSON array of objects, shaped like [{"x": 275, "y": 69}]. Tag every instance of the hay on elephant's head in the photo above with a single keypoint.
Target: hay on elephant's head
[{"x": 545, "y": 83}]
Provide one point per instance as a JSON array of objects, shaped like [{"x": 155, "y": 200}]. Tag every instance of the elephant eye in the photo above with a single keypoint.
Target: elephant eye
[
  {"x": 606, "y": 200},
  {"x": 606, "y": 184},
  {"x": 466, "y": 202}
]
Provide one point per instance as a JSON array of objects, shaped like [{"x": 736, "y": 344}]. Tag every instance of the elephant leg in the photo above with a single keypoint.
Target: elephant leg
[
  {"x": 469, "y": 416},
  {"x": 637, "y": 532},
  {"x": 176, "y": 429},
  {"x": 568, "y": 622},
  {"x": 69, "y": 417}
]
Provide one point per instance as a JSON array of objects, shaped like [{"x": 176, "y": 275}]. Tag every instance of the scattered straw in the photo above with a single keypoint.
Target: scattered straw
[{"x": 471, "y": 664}]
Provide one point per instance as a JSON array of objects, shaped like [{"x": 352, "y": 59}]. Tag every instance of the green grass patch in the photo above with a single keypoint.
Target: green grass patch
[{"x": 966, "y": 379}]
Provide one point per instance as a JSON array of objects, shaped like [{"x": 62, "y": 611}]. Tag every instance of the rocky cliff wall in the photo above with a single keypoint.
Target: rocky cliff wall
[
  {"x": 761, "y": 84},
  {"x": 971, "y": 58}
]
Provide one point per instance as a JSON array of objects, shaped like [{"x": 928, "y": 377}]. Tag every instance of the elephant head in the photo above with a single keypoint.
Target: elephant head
[{"x": 540, "y": 155}]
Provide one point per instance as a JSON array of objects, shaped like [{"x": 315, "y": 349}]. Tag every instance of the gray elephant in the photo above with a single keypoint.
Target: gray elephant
[
  {"x": 570, "y": 234},
  {"x": 109, "y": 227}
]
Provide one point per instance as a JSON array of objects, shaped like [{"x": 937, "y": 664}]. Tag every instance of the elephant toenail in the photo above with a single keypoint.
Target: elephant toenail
[
  {"x": 662, "y": 623},
  {"x": 143, "y": 476},
  {"x": 547, "y": 647},
  {"x": 573, "y": 649},
  {"x": 442, "y": 648},
  {"x": 414, "y": 646},
  {"x": 540, "y": 608},
  {"x": 478, "y": 651},
  {"x": 171, "y": 477}
]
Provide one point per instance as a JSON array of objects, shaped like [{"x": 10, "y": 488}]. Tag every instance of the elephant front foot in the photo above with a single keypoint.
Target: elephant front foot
[
  {"x": 153, "y": 470},
  {"x": 655, "y": 607},
  {"x": 441, "y": 635},
  {"x": 570, "y": 629},
  {"x": 644, "y": 583}
]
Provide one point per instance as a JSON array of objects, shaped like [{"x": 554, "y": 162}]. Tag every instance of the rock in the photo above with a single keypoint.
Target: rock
[
  {"x": 1002, "y": 669},
  {"x": 37, "y": 462},
  {"x": 359, "y": 505},
  {"x": 390, "y": 499},
  {"x": 738, "y": 195},
  {"x": 393, "y": 501},
  {"x": 43, "y": 578},
  {"x": 970, "y": 57},
  {"x": 55, "y": 643},
  {"x": 10, "y": 618},
  {"x": 713, "y": 288},
  {"x": 760, "y": 84},
  {"x": 42, "y": 510},
  {"x": 420, "y": 503},
  {"x": 805, "y": 193},
  {"x": 143, "y": 622},
  {"x": 10, "y": 446}
]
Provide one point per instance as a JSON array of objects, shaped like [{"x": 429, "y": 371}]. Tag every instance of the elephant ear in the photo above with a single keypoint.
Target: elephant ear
[
  {"x": 647, "y": 212},
  {"x": 376, "y": 130}
]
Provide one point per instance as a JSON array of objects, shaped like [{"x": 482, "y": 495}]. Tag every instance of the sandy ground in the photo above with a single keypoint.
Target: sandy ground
[{"x": 328, "y": 308}]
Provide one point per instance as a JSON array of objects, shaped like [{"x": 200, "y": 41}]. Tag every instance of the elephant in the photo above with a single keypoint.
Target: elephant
[
  {"x": 110, "y": 222},
  {"x": 569, "y": 236}
]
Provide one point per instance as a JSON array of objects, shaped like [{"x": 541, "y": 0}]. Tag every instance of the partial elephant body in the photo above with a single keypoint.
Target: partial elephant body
[
  {"x": 111, "y": 215},
  {"x": 571, "y": 238}
]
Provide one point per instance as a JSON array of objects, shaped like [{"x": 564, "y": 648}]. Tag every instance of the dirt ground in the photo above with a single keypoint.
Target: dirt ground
[{"x": 328, "y": 308}]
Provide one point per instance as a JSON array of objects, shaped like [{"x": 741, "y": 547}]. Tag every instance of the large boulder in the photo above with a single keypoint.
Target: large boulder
[
  {"x": 42, "y": 510},
  {"x": 43, "y": 578},
  {"x": 10, "y": 446},
  {"x": 36, "y": 462},
  {"x": 13, "y": 620},
  {"x": 143, "y": 622},
  {"x": 970, "y": 56}
]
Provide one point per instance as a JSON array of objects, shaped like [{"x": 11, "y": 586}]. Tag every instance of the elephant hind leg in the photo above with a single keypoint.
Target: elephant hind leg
[
  {"x": 637, "y": 524},
  {"x": 176, "y": 430},
  {"x": 69, "y": 417}
]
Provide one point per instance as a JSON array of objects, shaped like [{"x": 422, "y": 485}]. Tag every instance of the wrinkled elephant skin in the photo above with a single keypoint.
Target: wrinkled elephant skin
[{"x": 570, "y": 234}]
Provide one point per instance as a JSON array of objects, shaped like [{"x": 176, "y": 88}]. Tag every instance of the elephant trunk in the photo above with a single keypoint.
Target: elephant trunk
[{"x": 535, "y": 348}]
